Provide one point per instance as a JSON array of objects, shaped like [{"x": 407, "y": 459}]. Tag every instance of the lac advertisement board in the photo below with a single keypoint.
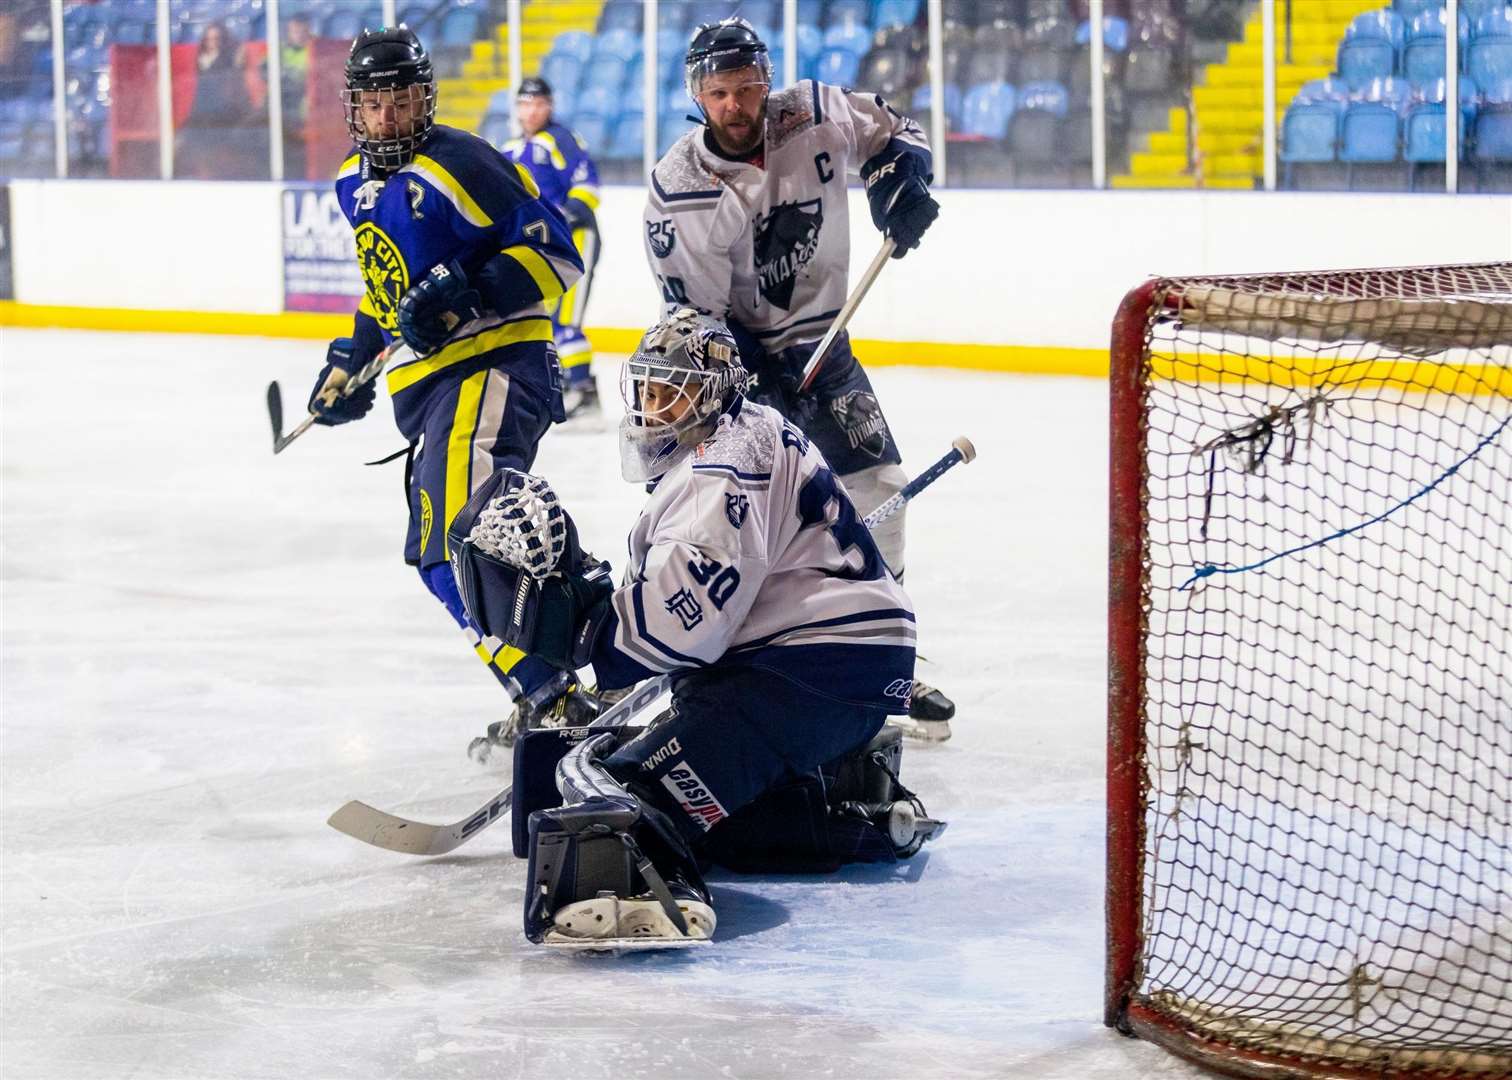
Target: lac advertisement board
[{"x": 319, "y": 256}]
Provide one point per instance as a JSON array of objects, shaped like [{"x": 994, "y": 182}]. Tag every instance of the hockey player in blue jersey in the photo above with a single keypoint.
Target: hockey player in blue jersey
[
  {"x": 459, "y": 255},
  {"x": 755, "y": 584},
  {"x": 558, "y": 159}
]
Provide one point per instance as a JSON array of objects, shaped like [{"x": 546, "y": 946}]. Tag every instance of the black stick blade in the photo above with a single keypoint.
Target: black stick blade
[{"x": 275, "y": 415}]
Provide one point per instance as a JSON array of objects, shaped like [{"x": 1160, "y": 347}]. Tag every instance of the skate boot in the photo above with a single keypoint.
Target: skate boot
[
  {"x": 558, "y": 703},
  {"x": 929, "y": 713}
]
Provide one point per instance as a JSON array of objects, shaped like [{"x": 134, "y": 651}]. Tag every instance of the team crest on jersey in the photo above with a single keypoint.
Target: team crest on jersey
[
  {"x": 860, "y": 417},
  {"x": 662, "y": 235},
  {"x": 736, "y": 508},
  {"x": 383, "y": 273},
  {"x": 427, "y": 519},
  {"x": 786, "y": 240}
]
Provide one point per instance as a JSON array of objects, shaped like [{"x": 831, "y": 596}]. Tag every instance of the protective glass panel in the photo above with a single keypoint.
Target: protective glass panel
[
  {"x": 469, "y": 46},
  {"x": 675, "y": 23},
  {"x": 110, "y": 69},
  {"x": 220, "y": 91},
  {"x": 26, "y": 89}
]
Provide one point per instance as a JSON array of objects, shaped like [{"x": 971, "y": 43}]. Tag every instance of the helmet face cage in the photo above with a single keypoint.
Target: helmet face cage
[
  {"x": 696, "y": 358},
  {"x": 725, "y": 46},
  {"x": 390, "y": 69}
]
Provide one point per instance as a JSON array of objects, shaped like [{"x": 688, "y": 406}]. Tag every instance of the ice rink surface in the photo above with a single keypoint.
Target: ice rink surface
[{"x": 207, "y": 649}]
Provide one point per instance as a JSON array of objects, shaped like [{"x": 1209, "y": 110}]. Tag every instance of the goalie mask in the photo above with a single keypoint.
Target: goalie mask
[
  {"x": 390, "y": 96},
  {"x": 683, "y": 374}
]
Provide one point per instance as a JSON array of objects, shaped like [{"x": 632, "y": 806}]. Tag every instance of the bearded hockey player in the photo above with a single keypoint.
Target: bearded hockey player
[
  {"x": 753, "y": 580},
  {"x": 746, "y": 220},
  {"x": 459, "y": 254}
]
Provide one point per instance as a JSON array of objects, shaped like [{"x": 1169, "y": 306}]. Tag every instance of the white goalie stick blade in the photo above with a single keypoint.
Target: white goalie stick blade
[{"x": 393, "y": 833}]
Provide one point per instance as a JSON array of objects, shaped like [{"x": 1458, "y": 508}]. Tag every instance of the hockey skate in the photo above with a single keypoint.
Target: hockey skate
[
  {"x": 929, "y": 713},
  {"x": 559, "y": 703},
  {"x": 608, "y": 923}
]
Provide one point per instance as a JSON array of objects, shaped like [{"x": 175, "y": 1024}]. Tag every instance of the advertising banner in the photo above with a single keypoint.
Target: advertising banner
[{"x": 319, "y": 256}]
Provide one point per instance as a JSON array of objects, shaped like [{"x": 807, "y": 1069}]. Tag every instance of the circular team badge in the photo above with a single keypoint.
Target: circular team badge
[{"x": 383, "y": 273}]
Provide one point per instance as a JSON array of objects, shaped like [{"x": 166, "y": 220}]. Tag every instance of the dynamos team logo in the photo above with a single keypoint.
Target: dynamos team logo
[
  {"x": 786, "y": 240},
  {"x": 383, "y": 272}
]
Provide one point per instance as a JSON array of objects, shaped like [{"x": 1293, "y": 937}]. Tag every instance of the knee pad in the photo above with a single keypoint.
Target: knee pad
[{"x": 869, "y": 489}]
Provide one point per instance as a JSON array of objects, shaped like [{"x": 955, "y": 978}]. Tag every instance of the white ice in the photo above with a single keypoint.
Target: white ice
[{"x": 207, "y": 649}]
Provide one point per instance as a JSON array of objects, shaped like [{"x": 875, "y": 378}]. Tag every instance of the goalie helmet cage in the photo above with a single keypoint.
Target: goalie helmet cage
[{"x": 1309, "y": 684}]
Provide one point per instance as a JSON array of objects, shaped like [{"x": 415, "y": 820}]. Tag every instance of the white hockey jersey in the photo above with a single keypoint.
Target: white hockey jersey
[
  {"x": 749, "y": 552},
  {"x": 769, "y": 246}
]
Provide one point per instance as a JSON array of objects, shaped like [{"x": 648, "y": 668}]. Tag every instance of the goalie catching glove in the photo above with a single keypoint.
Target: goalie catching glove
[{"x": 523, "y": 576}]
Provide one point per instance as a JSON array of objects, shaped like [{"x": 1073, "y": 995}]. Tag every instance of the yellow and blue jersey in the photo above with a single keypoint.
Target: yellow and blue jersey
[
  {"x": 558, "y": 159},
  {"x": 459, "y": 200}
]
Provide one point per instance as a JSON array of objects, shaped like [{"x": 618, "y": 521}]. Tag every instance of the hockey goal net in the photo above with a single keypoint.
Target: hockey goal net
[{"x": 1310, "y": 672}]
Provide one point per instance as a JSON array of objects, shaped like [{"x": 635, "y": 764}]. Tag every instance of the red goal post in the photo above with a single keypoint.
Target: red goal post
[{"x": 1309, "y": 775}]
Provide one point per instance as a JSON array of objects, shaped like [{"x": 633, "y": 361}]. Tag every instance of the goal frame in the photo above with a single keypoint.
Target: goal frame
[{"x": 1127, "y": 784}]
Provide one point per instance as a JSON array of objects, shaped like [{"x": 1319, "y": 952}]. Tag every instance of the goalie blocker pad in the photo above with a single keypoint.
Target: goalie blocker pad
[{"x": 852, "y": 810}]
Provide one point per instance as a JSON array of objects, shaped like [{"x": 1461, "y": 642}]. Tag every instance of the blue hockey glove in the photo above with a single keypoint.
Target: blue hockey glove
[
  {"x": 898, "y": 192},
  {"x": 342, "y": 359},
  {"x": 435, "y": 306}
]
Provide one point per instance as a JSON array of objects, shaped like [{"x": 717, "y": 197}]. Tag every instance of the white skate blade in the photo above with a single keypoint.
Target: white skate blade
[
  {"x": 935, "y": 731},
  {"x": 615, "y": 946},
  {"x": 608, "y": 923}
]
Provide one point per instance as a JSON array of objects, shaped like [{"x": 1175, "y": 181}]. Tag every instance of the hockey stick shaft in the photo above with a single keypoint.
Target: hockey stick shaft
[
  {"x": 393, "y": 833},
  {"x": 852, "y": 302},
  {"x": 961, "y": 452},
  {"x": 365, "y": 374}
]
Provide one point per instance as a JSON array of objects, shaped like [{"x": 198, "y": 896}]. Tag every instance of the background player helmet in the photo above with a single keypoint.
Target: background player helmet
[
  {"x": 697, "y": 356},
  {"x": 534, "y": 87},
  {"x": 388, "y": 60},
  {"x": 728, "y": 45}
]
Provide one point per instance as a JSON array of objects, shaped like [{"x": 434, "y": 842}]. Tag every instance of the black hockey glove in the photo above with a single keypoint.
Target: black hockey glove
[
  {"x": 897, "y": 188},
  {"x": 579, "y": 215},
  {"x": 435, "y": 306},
  {"x": 343, "y": 357}
]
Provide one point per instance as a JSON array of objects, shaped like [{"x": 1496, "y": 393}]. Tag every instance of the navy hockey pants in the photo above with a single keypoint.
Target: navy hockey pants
[{"x": 732, "y": 734}]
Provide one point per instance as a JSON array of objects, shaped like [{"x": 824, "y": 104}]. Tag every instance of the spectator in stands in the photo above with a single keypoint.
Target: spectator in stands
[
  {"x": 219, "y": 105},
  {"x": 294, "y": 59}
]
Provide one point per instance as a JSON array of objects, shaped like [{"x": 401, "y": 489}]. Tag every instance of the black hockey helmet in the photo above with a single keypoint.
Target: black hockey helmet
[
  {"x": 388, "y": 62},
  {"x": 728, "y": 45},
  {"x": 534, "y": 87}
]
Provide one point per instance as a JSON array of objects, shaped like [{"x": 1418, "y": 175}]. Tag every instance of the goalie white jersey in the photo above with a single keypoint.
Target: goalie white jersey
[
  {"x": 750, "y": 553},
  {"x": 769, "y": 245}
]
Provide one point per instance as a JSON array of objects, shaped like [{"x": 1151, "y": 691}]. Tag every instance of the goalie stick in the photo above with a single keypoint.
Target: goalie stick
[
  {"x": 393, "y": 833},
  {"x": 367, "y": 373}
]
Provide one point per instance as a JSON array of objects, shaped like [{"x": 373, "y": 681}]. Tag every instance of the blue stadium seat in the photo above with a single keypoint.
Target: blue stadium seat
[
  {"x": 1364, "y": 59},
  {"x": 837, "y": 67},
  {"x": 620, "y": 44},
  {"x": 848, "y": 12},
  {"x": 852, "y": 36},
  {"x": 1115, "y": 33},
  {"x": 1493, "y": 135},
  {"x": 496, "y": 129},
  {"x": 628, "y": 135},
  {"x": 460, "y": 28},
  {"x": 576, "y": 43},
  {"x": 761, "y": 13},
  {"x": 1407, "y": 9},
  {"x": 592, "y": 129},
  {"x": 1309, "y": 132},
  {"x": 675, "y": 102},
  {"x": 598, "y": 101},
  {"x": 562, "y": 72},
  {"x": 345, "y": 23},
  {"x": 1049, "y": 97},
  {"x": 603, "y": 71},
  {"x": 1381, "y": 24},
  {"x": 1371, "y": 128},
  {"x": 1424, "y": 54},
  {"x": 1424, "y": 125},
  {"x": 923, "y": 98},
  {"x": 897, "y": 12},
  {"x": 671, "y": 128},
  {"x": 810, "y": 44},
  {"x": 987, "y": 110},
  {"x": 501, "y": 103},
  {"x": 620, "y": 15},
  {"x": 1489, "y": 55},
  {"x": 1474, "y": 9}
]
